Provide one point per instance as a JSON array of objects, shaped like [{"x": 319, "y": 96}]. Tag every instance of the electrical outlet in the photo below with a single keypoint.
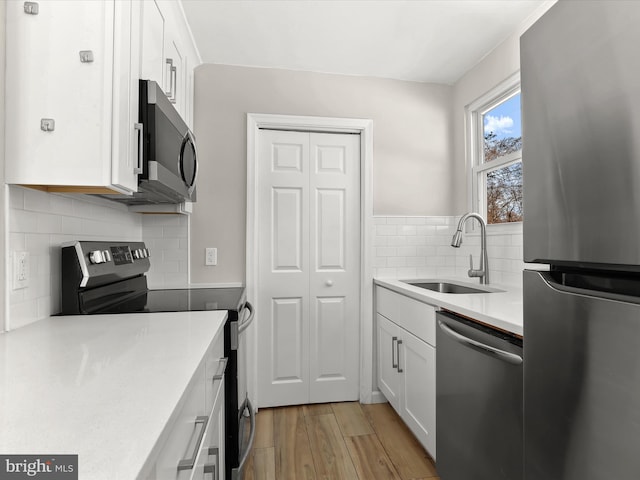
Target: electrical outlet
[
  {"x": 211, "y": 256},
  {"x": 20, "y": 270}
]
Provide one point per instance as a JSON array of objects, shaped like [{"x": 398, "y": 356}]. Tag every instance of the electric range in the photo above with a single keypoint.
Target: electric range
[{"x": 110, "y": 278}]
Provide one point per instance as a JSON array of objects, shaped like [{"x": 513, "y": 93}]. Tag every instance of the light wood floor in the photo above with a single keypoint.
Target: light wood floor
[{"x": 337, "y": 441}]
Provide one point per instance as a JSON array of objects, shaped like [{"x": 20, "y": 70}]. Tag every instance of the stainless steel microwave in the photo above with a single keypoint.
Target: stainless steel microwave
[{"x": 168, "y": 158}]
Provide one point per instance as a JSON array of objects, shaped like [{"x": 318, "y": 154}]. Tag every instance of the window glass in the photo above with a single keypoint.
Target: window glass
[
  {"x": 502, "y": 129},
  {"x": 504, "y": 194}
]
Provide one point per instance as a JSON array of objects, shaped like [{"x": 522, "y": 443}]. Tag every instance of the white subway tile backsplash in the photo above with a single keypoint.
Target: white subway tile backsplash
[
  {"x": 386, "y": 251},
  {"x": 396, "y": 261},
  {"x": 396, "y": 240},
  {"x": 39, "y": 223},
  {"x": 407, "y": 230},
  {"x": 166, "y": 237},
  {"x": 407, "y": 251},
  {"x": 422, "y": 245},
  {"x": 386, "y": 230},
  {"x": 380, "y": 241}
]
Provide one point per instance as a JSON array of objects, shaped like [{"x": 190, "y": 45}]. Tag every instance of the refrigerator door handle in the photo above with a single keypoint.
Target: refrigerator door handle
[
  {"x": 629, "y": 292},
  {"x": 508, "y": 357}
]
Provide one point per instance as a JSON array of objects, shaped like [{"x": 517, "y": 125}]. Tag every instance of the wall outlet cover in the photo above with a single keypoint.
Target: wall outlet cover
[
  {"x": 20, "y": 270},
  {"x": 211, "y": 256}
]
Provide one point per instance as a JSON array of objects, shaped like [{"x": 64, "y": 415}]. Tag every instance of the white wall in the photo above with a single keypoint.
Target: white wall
[
  {"x": 412, "y": 147},
  {"x": 492, "y": 70}
]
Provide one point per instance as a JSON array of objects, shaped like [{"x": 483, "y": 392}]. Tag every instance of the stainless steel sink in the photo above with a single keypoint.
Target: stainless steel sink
[{"x": 448, "y": 287}]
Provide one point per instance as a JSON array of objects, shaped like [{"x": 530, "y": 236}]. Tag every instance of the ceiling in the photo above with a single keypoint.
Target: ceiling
[{"x": 435, "y": 41}]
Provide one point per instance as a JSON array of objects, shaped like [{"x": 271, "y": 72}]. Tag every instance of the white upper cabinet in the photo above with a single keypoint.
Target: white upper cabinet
[
  {"x": 72, "y": 88},
  {"x": 68, "y": 101},
  {"x": 179, "y": 58},
  {"x": 152, "y": 28}
]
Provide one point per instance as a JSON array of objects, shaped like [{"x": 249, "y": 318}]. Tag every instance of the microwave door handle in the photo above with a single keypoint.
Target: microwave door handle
[
  {"x": 188, "y": 139},
  {"x": 138, "y": 169},
  {"x": 192, "y": 140}
]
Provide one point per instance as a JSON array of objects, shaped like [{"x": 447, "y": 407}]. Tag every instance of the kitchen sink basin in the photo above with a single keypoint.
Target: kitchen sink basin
[{"x": 448, "y": 287}]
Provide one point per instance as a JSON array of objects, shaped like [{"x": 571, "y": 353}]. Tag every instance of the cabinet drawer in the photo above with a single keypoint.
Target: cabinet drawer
[
  {"x": 210, "y": 462},
  {"x": 412, "y": 315}
]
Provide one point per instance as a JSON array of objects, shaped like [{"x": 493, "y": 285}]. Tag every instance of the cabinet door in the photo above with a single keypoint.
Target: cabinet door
[
  {"x": 389, "y": 379},
  {"x": 152, "y": 29},
  {"x": 48, "y": 80},
  {"x": 210, "y": 462},
  {"x": 125, "y": 135},
  {"x": 418, "y": 399},
  {"x": 174, "y": 74}
]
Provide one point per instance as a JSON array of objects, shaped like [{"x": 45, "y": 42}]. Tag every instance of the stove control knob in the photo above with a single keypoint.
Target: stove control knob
[
  {"x": 147, "y": 253},
  {"x": 106, "y": 255},
  {"x": 96, "y": 257},
  {"x": 136, "y": 254}
]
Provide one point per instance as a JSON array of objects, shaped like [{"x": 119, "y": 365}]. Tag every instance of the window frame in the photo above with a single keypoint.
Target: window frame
[{"x": 474, "y": 137}]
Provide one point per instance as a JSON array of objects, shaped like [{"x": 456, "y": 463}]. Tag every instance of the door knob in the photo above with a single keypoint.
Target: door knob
[{"x": 328, "y": 283}]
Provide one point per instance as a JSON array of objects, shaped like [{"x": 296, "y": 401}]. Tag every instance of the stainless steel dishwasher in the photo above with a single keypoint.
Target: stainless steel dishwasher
[{"x": 479, "y": 408}]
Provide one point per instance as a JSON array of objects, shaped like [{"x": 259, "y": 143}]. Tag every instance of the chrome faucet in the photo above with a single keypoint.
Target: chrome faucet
[{"x": 456, "y": 241}]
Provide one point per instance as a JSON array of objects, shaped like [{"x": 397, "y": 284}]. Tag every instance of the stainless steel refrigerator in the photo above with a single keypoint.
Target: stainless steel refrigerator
[{"x": 580, "y": 68}]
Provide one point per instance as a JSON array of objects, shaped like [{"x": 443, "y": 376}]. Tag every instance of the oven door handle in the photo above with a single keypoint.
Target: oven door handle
[
  {"x": 236, "y": 473},
  {"x": 243, "y": 326}
]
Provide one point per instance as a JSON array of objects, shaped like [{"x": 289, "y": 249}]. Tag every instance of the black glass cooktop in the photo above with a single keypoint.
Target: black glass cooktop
[{"x": 180, "y": 300}]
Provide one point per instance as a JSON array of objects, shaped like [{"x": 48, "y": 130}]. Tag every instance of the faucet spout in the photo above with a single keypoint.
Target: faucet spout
[{"x": 483, "y": 272}]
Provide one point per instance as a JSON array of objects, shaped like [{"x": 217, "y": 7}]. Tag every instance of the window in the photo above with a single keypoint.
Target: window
[{"x": 495, "y": 147}]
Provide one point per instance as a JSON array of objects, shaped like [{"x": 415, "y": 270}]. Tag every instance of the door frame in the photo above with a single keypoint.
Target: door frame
[{"x": 364, "y": 127}]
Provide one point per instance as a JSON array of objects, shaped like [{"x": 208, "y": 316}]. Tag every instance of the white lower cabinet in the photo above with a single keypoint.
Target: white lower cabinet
[
  {"x": 406, "y": 362},
  {"x": 191, "y": 446}
]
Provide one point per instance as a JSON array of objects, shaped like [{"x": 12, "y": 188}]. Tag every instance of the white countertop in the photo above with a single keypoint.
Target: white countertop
[
  {"x": 100, "y": 386},
  {"x": 502, "y": 310}
]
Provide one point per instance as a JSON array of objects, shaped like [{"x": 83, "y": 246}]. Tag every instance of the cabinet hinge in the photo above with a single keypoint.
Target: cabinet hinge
[
  {"x": 31, "y": 8},
  {"x": 86, "y": 56},
  {"x": 47, "y": 124}
]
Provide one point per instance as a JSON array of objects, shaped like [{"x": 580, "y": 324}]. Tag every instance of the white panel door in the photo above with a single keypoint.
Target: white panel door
[
  {"x": 309, "y": 210},
  {"x": 334, "y": 191},
  {"x": 283, "y": 304}
]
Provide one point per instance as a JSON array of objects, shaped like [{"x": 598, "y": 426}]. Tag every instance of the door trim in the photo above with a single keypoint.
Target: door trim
[{"x": 364, "y": 127}]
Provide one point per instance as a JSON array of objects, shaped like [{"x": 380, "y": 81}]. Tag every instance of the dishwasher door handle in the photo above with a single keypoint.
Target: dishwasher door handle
[{"x": 508, "y": 357}]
